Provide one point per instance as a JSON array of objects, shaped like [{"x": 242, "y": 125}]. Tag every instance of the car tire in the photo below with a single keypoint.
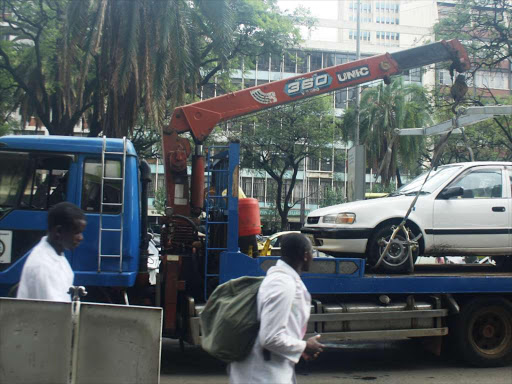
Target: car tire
[
  {"x": 390, "y": 264},
  {"x": 482, "y": 332}
]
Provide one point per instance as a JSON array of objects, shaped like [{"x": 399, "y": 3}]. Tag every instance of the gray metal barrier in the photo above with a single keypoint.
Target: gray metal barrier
[{"x": 49, "y": 342}]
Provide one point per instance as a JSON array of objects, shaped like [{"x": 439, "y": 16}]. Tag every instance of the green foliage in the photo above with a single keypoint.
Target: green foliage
[
  {"x": 380, "y": 188},
  {"x": 484, "y": 28},
  {"x": 159, "y": 202},
  {"x": 278, "y": 141},
  {"x": 332, "y": 196},
  {"x": 385, "y": 108},
  {"x": 490, "y": 140},
  {"x": 112, "y": 60}
]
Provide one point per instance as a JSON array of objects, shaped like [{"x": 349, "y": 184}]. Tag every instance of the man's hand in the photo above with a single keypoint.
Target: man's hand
[{"x": 313, "y": 348}]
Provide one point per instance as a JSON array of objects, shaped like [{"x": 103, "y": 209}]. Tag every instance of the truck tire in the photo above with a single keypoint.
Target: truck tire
[
  {"x": 482, "y": 332},
  {"x": 390, "y": 264}
]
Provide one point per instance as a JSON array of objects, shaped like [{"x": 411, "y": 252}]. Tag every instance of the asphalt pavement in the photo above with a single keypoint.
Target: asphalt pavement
[{"x": 402, "y": 362}]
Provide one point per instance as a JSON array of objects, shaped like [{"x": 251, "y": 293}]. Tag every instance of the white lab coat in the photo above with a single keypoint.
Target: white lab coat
[
  {"x": 284, "y": 306},
  {"x": 46, "y": 275}
]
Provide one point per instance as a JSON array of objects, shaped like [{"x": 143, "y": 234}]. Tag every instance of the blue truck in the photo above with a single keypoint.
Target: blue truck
[{"x": 468, "y": 308}]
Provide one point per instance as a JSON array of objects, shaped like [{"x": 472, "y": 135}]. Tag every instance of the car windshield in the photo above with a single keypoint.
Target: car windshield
[
  {"x": 12, "y": 171},
  {"x": 437, "y": 177}
]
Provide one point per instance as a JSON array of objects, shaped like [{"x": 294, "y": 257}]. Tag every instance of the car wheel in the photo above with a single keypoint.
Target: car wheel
[
  {"x": 396, "y": 259},
  {"x": 483, "y": 332}
]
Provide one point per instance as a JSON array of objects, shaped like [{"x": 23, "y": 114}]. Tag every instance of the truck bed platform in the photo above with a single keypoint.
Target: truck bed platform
[{"x": 347, "y": 276}]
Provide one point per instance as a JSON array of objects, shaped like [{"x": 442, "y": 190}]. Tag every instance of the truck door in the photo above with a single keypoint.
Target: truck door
[
  {"x": 30, "y": 184},
  {"x": 477, "y": 221}
]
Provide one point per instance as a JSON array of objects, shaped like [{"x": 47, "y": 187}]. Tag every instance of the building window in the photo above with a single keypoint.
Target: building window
[
  {"x": 247, "y": 186},
  {"x": 326, "y": 161},
  {"x": 492, "y": 80},
  {"x": 271, "y": 191},
  {"x": 329, "y": 60},
  {"x": 339, "y": 160},
  {"x": 313, "y": 191},
  {"x": 263, "y": 62},
  {"x": 290, "y": 62},
  {"x": 302, "y": 62},
  {"x": 259, "y": 189},
  {"x": 412, "y": 75},
  {"x": 276, "y": 63},
  {"x": 313, "y": 163},
  {"x": 316, "y": 60},
  {"x": 297, "y": 191},
  {"x": 365, "y": 35}
]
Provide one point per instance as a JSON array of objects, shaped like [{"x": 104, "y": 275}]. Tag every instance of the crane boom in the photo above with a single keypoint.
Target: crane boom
[{"x": 200, "y": 118}]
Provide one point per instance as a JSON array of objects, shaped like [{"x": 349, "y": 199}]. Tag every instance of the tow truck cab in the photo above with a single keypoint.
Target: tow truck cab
[{"x": 101, "y": 176}]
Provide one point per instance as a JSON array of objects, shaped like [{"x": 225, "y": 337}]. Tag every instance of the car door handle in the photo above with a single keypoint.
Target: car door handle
[{"x": 498, "y": 209}]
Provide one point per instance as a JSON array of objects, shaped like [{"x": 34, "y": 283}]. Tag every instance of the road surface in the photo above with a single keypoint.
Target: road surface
[{"x": 403, "y": 362}]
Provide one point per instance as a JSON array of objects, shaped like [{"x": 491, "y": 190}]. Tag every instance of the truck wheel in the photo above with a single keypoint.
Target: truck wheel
[
  {"x": 483, "y": 332},
  {"x": 396, "y": 260}
]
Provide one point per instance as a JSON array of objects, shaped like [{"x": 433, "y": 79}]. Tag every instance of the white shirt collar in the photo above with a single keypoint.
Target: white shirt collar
[{"x": 289, "y": 270}]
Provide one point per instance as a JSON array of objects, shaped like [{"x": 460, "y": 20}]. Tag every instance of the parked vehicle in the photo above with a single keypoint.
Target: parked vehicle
[
  {"x": 463, "y": 210},
  {"x": 272, "y": 246}
]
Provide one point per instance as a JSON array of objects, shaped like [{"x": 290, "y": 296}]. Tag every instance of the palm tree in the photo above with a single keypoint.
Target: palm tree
[
  {"x": 150, "y": 56},
  {"x": 385, "y": 108},
  {"x": 106, "y": 60}
]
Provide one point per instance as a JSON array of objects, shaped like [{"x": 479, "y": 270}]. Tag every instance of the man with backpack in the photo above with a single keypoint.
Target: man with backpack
[{"x": 283, "y": 304}]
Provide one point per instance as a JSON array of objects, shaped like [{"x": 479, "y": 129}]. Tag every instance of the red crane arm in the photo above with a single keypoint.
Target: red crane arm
[{"x": 201, "y": 118}]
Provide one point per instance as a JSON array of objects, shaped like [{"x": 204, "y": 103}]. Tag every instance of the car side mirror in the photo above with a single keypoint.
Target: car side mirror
[{"x": 451, "y": 192}]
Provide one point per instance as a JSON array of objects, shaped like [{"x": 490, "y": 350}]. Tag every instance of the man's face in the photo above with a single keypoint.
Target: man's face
[{"x": 72, "y": 237}]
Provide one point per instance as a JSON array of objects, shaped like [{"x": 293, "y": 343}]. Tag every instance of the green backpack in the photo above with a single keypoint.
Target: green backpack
[{"x": 229, "y": 321}]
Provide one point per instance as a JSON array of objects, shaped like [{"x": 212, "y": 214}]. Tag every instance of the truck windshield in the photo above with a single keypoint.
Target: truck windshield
[
  {"x": 437, "y": 177},
  {"x": 12, "y": 171}
]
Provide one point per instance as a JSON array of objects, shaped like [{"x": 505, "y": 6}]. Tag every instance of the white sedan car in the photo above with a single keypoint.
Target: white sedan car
[{"x": 464, "y": 209}]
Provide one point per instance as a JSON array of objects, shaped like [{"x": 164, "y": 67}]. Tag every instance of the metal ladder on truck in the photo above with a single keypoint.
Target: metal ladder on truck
[
  {"x": 103, "y": 204},
  {"x": 225, "y": 171}
]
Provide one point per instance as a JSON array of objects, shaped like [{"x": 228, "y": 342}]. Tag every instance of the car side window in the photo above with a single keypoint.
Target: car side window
[
  {"x": 91, "y": 189},
  {"x": 481, "y": 184}
]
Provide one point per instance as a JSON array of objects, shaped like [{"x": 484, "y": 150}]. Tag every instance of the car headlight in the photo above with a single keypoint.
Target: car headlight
[{"x": 339, "y": 218}]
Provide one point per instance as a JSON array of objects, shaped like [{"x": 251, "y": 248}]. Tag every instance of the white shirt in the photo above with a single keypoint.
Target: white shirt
[
  {"x": 46, "y": 275},
  {"x": 284, "y": 306}
]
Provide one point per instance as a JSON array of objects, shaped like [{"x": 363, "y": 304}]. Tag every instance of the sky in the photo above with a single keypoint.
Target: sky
[{"x": 325, "y": 9}]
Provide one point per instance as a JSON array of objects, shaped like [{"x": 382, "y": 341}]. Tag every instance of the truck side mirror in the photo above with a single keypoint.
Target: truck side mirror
[{"x": 451, "y": 192}]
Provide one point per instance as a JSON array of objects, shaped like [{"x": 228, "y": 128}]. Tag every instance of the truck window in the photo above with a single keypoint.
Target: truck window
[
  {"x": 91, "y": 189},
  {"x": 481, "y": 184},
  {"x": 46, "y": 182},
  {"x": 13, "y": 169}
]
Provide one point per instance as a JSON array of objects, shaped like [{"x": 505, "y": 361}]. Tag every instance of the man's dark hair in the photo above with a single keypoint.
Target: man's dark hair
[
  {"x": 64, "y": 214},
  {"x": 293, "y": 246}
]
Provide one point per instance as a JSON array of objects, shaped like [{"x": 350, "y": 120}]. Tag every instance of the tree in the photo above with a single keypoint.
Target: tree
[
  {"x": 489, "y": 140},
  {"x": 484, "y": 28},
  {"x": 278, "y": 141},
  {"x": 8, "y": 91},
  {"x": 385, "y": 108},
  {"x": 108, "y": 60},
  {"x": 159, "y": 201}
]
